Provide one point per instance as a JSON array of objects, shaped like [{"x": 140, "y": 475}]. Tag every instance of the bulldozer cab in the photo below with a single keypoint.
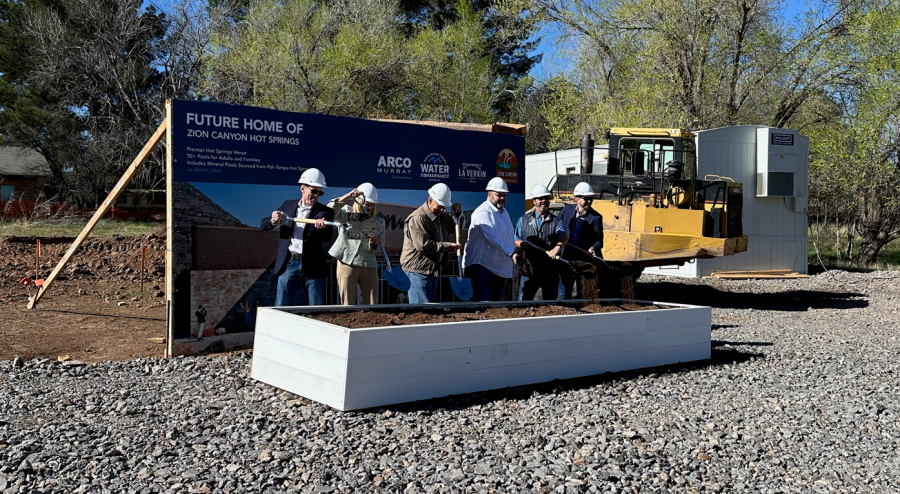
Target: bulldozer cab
[
  {"x": 643, "y": 164},
  {"x": 639, "y": 152}
]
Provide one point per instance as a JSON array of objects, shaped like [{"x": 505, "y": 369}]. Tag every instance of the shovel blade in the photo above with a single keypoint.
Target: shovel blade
[
  {"x": 396, "y": 278},
  {"x": 462, "y": 288}
]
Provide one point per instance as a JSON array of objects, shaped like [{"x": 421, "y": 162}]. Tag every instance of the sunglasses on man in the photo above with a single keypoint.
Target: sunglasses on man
[{"x": 316, "y": 192}]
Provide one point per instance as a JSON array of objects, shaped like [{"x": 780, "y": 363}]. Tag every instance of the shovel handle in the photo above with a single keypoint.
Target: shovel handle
[
  {"x": 309, "y": 221},
  {"x": 583, "y": 251},
  {"x": 458, "y": 249},
  {"x": 384, "y": 253}
]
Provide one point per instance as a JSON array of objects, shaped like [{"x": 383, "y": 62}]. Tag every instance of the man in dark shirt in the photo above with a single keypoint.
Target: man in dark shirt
[
  {"x": 300, "y": 265},
  {"x": 584, "y": 227}
]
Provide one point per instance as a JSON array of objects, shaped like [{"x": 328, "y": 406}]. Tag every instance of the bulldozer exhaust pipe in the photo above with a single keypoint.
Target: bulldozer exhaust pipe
[{"x": 587, "y": 155}]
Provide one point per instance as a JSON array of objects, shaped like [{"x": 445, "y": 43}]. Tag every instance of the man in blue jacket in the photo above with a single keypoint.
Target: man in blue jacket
[
  {"x": 584, "y": 227},
  {"x": 301, "y": 266}
]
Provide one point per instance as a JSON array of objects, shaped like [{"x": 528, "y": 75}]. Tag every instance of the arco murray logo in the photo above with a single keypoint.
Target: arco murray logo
[
  {"x": 508, "y": 167},
  {"x": 472, "y": 172},
  {"x": 435, "y": 168},
  {"x": 396, "y": 166}
]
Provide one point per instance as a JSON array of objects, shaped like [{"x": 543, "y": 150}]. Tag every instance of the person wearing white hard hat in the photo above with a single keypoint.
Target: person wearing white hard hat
[
  {"x": 542, "y": 228},
  {"x": 301, "y": 265},
  {"x": 426, "y": 243},
  {"x": 356, "y": 262},
  {"x": 490, "y": 254},
  {"x": 584, "y": 227}
]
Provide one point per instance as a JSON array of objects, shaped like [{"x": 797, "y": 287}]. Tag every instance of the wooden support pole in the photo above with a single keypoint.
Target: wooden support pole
[{"x": 107, "y": 203}]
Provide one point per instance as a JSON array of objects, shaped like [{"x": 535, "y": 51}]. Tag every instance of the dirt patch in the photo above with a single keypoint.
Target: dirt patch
[
  {"x": 400, "y": 317},
  {"x": 94, "y": 311},
  {"x": 115, "y": 259}
]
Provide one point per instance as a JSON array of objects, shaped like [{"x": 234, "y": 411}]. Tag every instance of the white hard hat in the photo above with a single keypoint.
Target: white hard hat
[
  {"x": 497, "y": 184},
  {"x": 583, "y": 189},
  {"x": 369, "y": 191},
  {"x": 540, "y": 191},
  {"x": 312, "y": 177},
  {"x": 441, "y": 194}
]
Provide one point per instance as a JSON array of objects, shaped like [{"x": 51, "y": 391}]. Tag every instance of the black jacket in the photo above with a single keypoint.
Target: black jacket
[
  {"x": 314, "y": 265},
  {"x": 591, "y": 231}
]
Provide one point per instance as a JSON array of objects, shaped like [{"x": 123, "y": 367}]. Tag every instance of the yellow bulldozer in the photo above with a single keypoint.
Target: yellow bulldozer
[{"x": 656, "y": 209}]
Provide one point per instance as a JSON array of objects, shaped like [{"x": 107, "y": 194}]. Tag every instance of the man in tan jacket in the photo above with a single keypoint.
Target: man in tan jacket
[{"x": 426, "y": 243}]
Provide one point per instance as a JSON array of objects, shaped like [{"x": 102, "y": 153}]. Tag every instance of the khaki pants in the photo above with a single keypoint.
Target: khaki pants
[{"x": 349, "y": 276}]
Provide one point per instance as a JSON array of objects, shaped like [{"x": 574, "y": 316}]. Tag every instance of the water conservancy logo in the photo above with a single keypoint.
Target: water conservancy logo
[{"x": 435, "y": 168}]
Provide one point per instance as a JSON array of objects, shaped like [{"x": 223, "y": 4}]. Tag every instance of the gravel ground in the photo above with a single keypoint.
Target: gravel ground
[{"x": 800, "y": 396}]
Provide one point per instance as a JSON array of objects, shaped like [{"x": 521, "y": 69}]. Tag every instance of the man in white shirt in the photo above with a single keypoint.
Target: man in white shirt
[{"x": 490, "y": 254}]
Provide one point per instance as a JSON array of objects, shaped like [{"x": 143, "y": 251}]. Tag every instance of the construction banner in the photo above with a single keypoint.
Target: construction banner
[{"x": 230, "y": 166}]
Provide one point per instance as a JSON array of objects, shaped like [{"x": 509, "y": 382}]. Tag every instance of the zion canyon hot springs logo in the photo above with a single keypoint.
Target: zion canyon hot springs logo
[{"x": 508, "y": 167}]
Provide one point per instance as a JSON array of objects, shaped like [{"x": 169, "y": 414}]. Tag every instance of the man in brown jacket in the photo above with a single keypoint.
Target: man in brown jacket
[{"x": 426, "y": 242}]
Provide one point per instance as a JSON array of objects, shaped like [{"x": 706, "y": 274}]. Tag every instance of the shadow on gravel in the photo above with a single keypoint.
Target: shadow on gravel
[
  {"x": 718, "y": 357},
  {"x": 725, "y": 326},
  {"x": 791, "y": 300}
]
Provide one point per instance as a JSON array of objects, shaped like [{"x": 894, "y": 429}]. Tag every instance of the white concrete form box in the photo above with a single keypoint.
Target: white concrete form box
[{"x": 350, "y": 369}]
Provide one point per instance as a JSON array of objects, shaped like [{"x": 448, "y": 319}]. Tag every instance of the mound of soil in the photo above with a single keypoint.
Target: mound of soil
[
  {"x": 115, "y": 259},
  {"x": 400, "y": 317}
]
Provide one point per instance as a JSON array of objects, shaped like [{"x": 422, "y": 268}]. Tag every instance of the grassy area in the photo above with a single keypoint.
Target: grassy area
[
  {"x": 71, "y": 228},
  {"x": 826, "y": 241}
]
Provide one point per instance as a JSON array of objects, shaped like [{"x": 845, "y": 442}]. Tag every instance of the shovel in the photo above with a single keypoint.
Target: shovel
[
  {"x": 587, "y": 254},
  {"x": 579, "y": 268},
  {"x": 355, "y": 229},
  {"x": 394, "y": 275},
  {"x": 462, "y": 287}
]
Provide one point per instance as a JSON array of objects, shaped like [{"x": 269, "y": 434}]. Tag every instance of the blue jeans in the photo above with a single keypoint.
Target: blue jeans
[
  {"x": 248, "y": 320},
  {"x": 422, "y": 288},
  {"x": 294, "y": 288},
  {"x": 486, "y": 286}
]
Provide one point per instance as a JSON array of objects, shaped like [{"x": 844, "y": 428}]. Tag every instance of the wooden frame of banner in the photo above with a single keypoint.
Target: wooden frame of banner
[
  {"x": 170, "y": 212},
  {"x": 101, "y": 211}
]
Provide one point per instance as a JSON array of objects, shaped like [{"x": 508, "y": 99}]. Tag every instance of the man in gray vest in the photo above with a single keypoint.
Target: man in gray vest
[{"x": 539, "y": 223}]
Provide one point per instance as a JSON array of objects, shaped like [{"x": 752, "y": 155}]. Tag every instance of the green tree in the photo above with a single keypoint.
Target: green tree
[
  {"x": 700, "y": 64},
  {"x": 450, "y": 76},
  {"x": 351, "y": 58},
  {"x": 340, "y": 58},
  {"x": 855, "y": 165},
  {"x": 507, "y": 37}
]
